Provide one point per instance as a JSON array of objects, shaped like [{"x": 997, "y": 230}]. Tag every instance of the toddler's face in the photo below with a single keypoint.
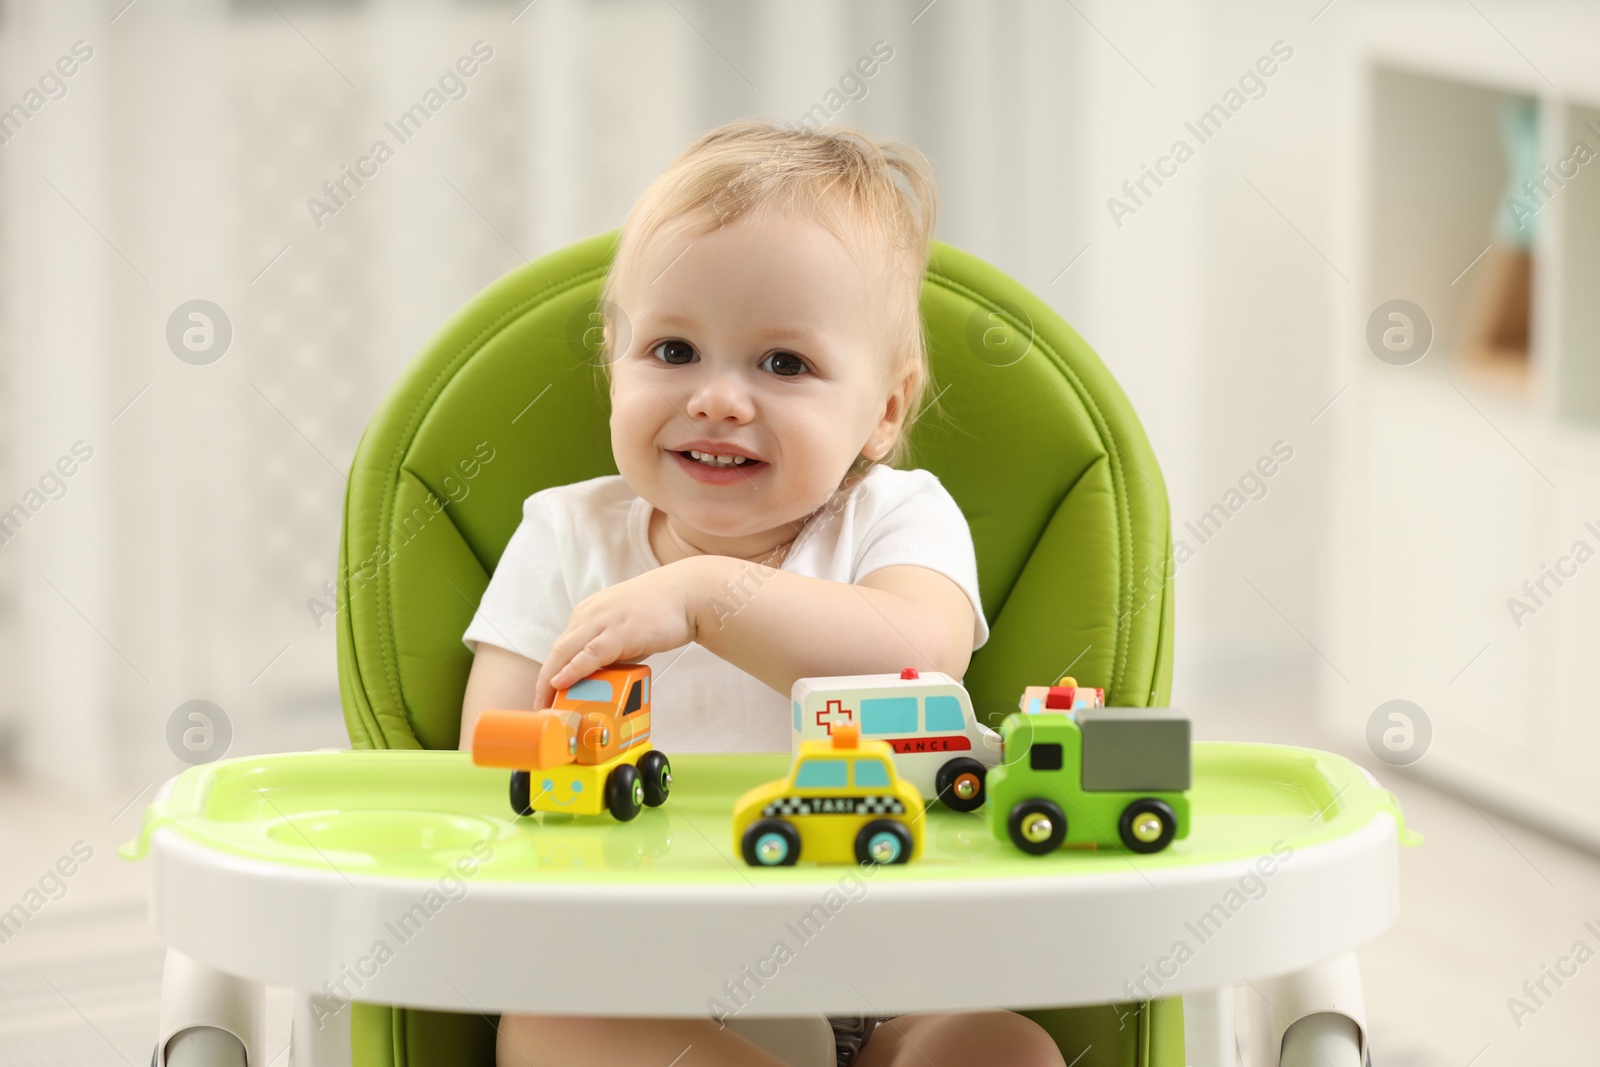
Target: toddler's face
[{"x": 761, "y": 340}]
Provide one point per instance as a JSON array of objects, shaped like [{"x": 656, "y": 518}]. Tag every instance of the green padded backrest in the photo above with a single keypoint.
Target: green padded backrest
[{"x": 1031, "y": 435}]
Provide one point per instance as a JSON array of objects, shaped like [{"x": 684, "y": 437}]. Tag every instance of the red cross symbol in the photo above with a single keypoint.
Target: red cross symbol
[{"x": 833, "y": 711}]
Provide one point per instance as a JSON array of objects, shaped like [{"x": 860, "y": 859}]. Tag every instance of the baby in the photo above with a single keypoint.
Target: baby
[{"x": 764, "y": 349}]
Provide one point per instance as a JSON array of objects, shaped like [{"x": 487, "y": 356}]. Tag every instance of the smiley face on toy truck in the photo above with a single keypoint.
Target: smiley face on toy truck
[
  {"x": 1105, "y": 776},
  {"x": 589, "y": 752},
  {"x": 841, "y": 802},
  {"x": 926, "y": 718}
]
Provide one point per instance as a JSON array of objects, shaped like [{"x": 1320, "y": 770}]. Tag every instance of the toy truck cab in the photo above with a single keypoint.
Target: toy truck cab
[
  {"x": 925, "y": 717},
  {"x": 841, "y": 802},
  {"x": 1093, "y": 776},
  {"x": 589, "y": 752}
]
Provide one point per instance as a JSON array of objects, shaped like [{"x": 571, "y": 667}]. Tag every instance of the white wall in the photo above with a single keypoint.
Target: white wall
[{"x": 189, "y": 545}]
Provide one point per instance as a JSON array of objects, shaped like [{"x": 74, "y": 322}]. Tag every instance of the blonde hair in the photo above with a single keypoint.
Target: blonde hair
[{"x": 864, "y": 190}]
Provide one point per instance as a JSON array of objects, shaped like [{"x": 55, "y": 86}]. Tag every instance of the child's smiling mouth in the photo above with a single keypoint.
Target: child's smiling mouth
[
  {"x": 718, "y": 467},
  {"x": 711, "y": 459}
]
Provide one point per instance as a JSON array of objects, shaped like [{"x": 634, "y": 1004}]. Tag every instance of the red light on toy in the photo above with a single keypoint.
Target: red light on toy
[
  {"x": 909, "y": 674},
  {"x": 846, "y": 736},
  {"x": 1059, "y": 697}
]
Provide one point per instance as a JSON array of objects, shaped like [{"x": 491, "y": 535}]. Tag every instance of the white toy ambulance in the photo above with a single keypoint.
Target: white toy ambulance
[{"x": 927, "y": 718}]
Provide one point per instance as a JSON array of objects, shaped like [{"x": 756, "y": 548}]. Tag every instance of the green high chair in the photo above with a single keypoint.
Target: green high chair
[{"x": 1030, "y": 434}]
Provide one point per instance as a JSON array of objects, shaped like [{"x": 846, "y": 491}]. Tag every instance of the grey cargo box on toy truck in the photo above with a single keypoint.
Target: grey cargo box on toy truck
[{"x": 1130, "y": 749}]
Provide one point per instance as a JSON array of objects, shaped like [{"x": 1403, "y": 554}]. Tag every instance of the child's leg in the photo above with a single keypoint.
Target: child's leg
[
  {"x": 575, "y": 1041},
  {"x": 959, "y": 1039}
]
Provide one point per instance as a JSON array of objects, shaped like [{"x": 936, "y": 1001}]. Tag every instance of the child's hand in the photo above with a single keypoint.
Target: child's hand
[{"x": 629, "y": 621}]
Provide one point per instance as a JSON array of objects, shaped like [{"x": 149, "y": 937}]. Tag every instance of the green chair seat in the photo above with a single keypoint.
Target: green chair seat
[{"x": 1030, "y": 434}]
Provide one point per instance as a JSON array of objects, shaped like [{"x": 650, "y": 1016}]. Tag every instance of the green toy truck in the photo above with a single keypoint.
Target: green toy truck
[{"x": 1091, "y": 776}]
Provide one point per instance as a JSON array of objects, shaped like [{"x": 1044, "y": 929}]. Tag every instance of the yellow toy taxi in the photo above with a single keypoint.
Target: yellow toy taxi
[{"x": 841, "y": 802}]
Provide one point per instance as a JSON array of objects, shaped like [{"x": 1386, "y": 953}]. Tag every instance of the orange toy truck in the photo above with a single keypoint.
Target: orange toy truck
[{"x": 588, "y": 753}]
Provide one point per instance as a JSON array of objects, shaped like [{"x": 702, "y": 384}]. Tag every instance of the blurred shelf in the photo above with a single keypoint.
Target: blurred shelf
[
  {"x": 1470, "y": 475},
  {"x": 1439, "y": 202},
  {"x": 1456, "y": 43}
]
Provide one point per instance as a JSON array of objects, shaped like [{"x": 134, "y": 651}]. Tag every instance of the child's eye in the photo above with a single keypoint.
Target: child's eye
[
  {"x": 675, "y": 353},
  {"x": 786, "y": 364}
]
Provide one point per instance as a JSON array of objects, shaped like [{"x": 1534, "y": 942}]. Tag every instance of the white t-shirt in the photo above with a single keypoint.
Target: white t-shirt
[{"x": 575, "y": 540}]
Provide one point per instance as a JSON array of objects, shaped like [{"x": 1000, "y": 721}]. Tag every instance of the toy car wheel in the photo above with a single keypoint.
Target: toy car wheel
[
  {"x": 521, "y": 795},
  {"x": 624, "y": 792},
  {"x": 655, "y": 770},
  {"x": 771, "y": 843},
  {"x": 1147, "y": 825},
  {"x": 883, "y": 841},
  {"x": 959, "y": 784},
  {"x": 1037, "y": 826}
]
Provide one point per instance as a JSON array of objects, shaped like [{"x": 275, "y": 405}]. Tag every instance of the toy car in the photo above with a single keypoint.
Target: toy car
[
  {"x": 926, "y": 718},
  {"x": 1065, "y": 695},
  {"x": 590, "y": 751},
  {"x": 841, "y": 802},
  {"x": 1121, "y": 772}
]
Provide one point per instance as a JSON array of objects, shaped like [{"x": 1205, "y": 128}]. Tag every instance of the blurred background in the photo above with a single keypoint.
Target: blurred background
[{"x": 1376, "y": 260}]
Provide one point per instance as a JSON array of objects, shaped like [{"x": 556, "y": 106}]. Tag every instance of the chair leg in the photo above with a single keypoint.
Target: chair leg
[
  {"x": 207, "y": 1016},
  {"x": 1326, "y": 1039},
  {"x": 799, "y": 1041},
  {"x": 1293, "y": 1005},
  {"x": 320, "y": 1032},
  {"x": 1210, "y": 1036}
]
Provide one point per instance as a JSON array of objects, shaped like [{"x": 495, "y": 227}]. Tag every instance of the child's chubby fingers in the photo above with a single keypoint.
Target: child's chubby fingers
[
  {"x": 630, "y": 620},
  {"x": 580, "y": 667},
  {"x": 551, "y": 678},
  {"x": 573, "y": 657}
]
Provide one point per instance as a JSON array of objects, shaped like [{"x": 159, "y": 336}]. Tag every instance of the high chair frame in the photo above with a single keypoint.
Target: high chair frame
[{"x": 1028, "y": 431}]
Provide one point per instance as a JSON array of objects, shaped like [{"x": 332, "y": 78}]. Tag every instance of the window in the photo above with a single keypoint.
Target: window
[
  {"x": 797, "y": 715},
  {"x": 635, "y": 702},
  {"x": 872, "y": 774},
  {"x": 820, "y": 774},
  {"x": 889, "y": 715},
  {"x": 944, "y": 713},
  {"x": 1045, "y": 757},
  {"x": 597, "y": 689}
]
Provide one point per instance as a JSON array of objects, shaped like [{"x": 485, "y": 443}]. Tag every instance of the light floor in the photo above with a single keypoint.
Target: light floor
[{"x": 1485, "y": 902}]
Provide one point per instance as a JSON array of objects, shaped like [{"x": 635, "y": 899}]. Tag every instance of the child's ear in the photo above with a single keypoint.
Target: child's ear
[{"x": 894, "y": 411}]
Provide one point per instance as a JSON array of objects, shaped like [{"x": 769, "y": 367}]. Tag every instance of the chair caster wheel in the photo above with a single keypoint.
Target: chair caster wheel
[
  {"x": 1326, "y": 1039},
  {"x": 202, "y": 1046}
]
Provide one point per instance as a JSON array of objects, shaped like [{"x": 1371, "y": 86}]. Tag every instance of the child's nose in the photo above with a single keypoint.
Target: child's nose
[{"x": 722, "y": 395}]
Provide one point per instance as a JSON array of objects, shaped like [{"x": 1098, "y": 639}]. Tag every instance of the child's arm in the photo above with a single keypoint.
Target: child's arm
[
  {"x": 499, "y": 679},
  {"x": 772, "y": 624},
  {"x": 780, "y": 626}
]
